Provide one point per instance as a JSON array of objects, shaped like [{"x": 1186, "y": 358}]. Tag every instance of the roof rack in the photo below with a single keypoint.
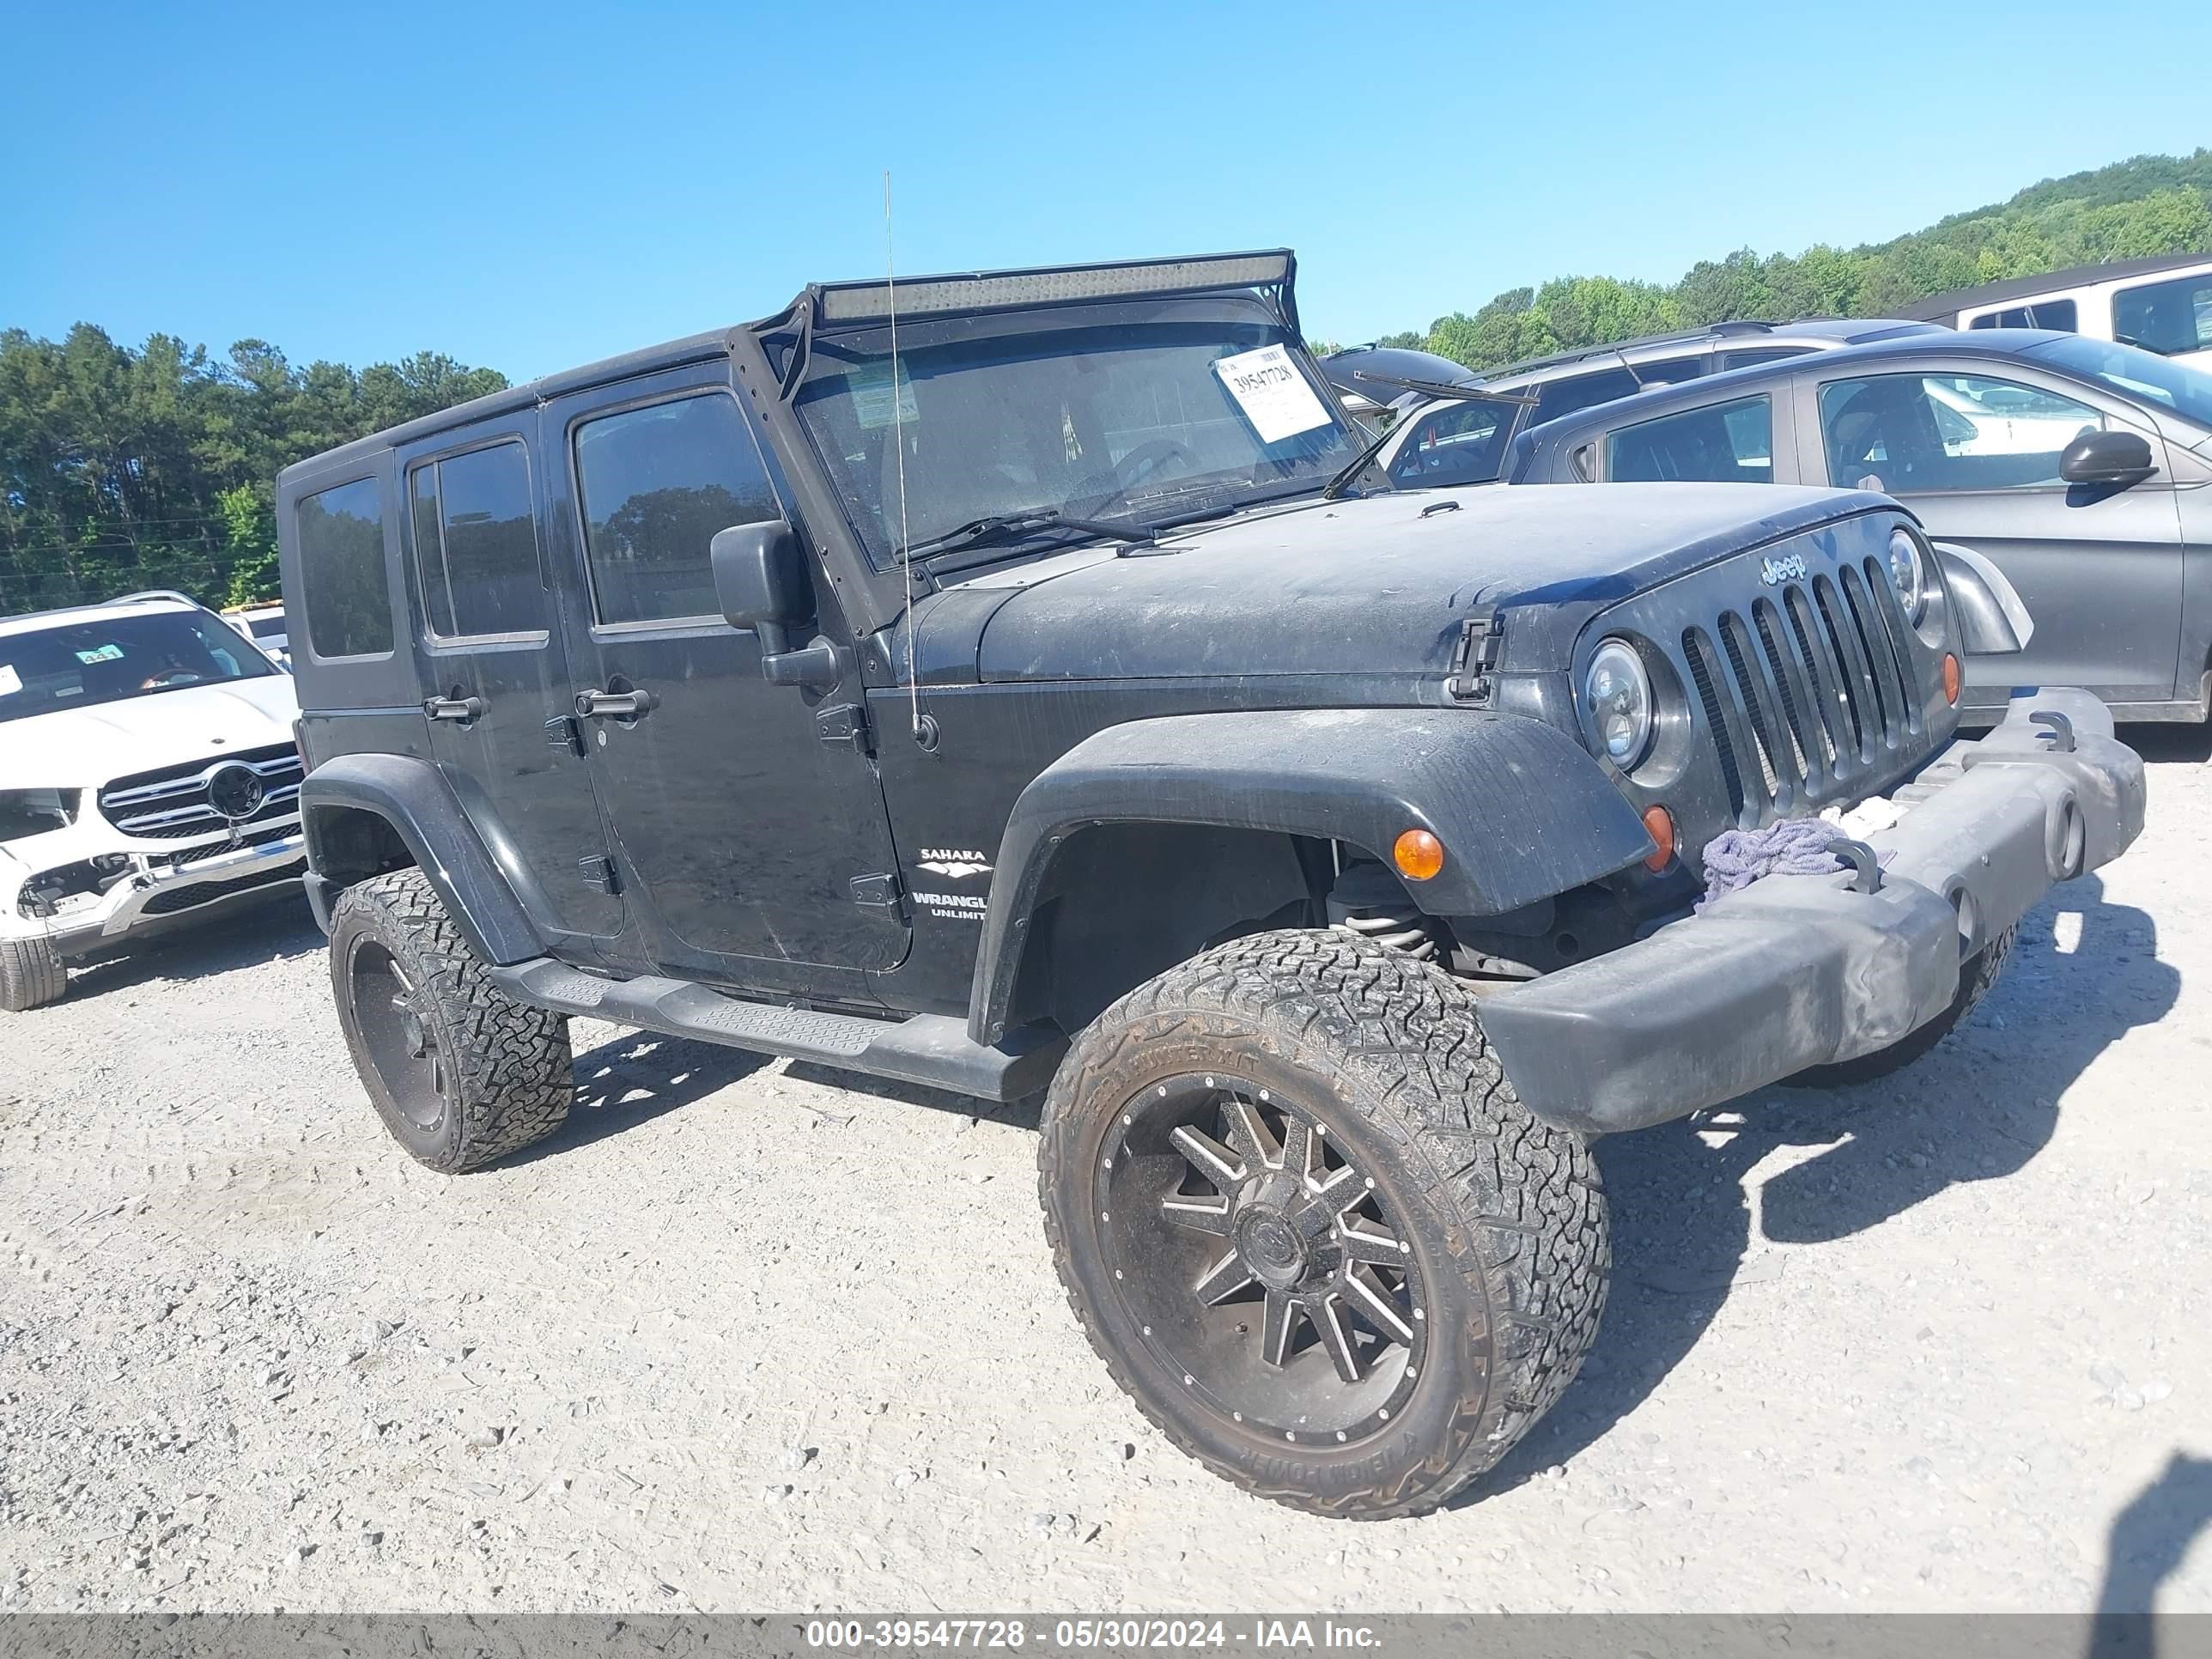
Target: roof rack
[
  {"x": 1614, "y": 348},
  {"x": 152, "y": 594}
]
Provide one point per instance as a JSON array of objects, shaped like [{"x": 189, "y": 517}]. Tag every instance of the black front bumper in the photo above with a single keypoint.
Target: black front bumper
[{"x": 1803, "y": 970}]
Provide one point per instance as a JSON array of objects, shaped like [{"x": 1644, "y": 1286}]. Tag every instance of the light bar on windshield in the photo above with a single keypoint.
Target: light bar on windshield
[{"x": 850, "y": 302}]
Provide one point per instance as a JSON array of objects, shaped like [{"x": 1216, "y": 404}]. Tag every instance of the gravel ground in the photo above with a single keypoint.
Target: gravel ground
[{"x": 751, "y": 1335}]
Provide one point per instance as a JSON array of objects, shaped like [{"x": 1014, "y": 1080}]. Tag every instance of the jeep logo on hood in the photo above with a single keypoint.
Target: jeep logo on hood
[{"x": 1790, "y": 567}]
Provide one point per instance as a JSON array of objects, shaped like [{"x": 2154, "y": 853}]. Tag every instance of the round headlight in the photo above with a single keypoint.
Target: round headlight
[
  {"x": 1617, "y": 701},
  {"x": 1908, "y": 574}
]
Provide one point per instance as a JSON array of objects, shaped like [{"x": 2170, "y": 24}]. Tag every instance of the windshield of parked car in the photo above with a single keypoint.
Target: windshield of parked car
[
  {"x": 1175, "y": 413},
  {"x": 110, "y": 657},
  {"x": 1459, "y": 443},
  {"x": 2142, "y": 375}
]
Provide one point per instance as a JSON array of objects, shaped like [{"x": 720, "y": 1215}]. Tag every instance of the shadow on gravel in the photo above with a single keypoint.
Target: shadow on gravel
[
  {"x": 273, "y": 932},
  {"x": 634, "y": 1078},
  {"x": 1977, "y": 1108},
  {"x": 2169, "y": 743},
  {"x": 1023, "y": 1113},
  {"x": 2148, "y": 1541}
]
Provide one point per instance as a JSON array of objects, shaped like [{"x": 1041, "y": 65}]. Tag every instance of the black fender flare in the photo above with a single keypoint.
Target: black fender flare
[
  {"x": 414, "y": 798},
  {"x": 1522, "y": 809}
]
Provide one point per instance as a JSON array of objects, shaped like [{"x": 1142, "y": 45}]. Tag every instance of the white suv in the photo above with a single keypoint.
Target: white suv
[{"x": 149, "y": 776}]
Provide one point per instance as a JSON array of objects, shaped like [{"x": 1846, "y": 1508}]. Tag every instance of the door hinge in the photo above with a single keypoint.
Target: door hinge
[
  {"x": 1481, "y": 641},
  {"x": 562, "y": 732},
  {"x": 847, "y": 723},
  {"x": 880, "y": 892},
  {"x": 598, "y": 872}
]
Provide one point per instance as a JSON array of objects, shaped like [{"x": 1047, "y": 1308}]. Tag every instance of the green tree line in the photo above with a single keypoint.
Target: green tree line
[
  {"x": 155, "y": 466},
  {"x": 124, "y": 468},
  {"x": 2150, "y": 206}
]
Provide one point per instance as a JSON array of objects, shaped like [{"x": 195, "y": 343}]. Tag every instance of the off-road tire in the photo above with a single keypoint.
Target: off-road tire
[
  {"x": 1505, "y": 1214},
  {"x": 508, "y": 1078},
  {"x": 31, "y": 975},
  {"x": 1975, "y": 976}
]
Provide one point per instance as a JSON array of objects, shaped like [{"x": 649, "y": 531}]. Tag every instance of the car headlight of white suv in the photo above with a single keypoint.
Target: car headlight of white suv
[{"x": 25, "y": 812}]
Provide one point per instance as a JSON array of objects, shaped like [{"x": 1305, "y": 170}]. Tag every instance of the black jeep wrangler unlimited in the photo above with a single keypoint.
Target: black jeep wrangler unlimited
[{"x": 1006, "y": 681}]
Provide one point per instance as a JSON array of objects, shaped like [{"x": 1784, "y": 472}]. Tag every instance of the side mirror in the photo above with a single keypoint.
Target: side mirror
[
  {"x": 761, "y": 580},
  {"x": 2107, "y": 457}
]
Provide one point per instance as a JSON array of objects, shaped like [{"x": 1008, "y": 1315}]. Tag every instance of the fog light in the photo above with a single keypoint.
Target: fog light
[
  {"x": 1950, "y": 679},
  {"x": 1419, "y": 854},
  {"x": 1659, "y": 825}
]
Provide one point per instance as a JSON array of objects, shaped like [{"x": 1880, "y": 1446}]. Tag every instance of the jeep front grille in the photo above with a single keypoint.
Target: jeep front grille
[
  {"x": 176, "y": 801},
  {"x": 1808, "y": 696}
]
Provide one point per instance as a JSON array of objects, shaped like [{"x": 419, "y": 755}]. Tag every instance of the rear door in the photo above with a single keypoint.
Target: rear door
[
  {"x": 490, "y": 652},
  {"x": 756, "y": 843},
  {"x": 1973, "y": 448}
]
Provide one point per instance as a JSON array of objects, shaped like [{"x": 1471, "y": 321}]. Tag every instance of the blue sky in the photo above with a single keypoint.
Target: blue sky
[{"x": 532, "y": 187}]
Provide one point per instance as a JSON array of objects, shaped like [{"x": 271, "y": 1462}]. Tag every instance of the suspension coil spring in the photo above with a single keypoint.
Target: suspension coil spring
[{"x": 1400, "y": 929}]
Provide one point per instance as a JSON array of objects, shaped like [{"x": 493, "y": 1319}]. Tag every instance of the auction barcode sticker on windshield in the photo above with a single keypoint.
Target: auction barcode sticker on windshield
[{"x": 1274, "y": 396}]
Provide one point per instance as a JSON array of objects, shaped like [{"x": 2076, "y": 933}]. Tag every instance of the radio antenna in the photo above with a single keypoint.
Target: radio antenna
[{"x": 898, "y": 439}]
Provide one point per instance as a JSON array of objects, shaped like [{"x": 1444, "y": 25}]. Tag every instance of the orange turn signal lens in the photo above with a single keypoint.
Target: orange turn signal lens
[
  {"x": 1951, "y": 679},
  {"x": 1659, "y": 825},
  {"x": 1419, "y": 854}
]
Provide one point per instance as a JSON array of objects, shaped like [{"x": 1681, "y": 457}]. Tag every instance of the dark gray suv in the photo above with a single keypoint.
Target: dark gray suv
[
  {"x": 1462, "y": 439},
  {"x": 2077, "y": 467}
]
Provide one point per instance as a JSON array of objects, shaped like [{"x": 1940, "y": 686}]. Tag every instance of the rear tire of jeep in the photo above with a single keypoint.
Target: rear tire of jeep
[
  {"x": 461, "y": 1074},
  {"x": 31, "y": 975},
  {"x": 1305, "y": 1221},
  {"x": 1975, "y": 976}
]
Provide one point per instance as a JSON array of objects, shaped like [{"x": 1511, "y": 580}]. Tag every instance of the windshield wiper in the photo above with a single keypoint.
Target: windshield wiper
[
  {"x": 1335, "y": 487},
  {"x": 1012, "y": 526}
]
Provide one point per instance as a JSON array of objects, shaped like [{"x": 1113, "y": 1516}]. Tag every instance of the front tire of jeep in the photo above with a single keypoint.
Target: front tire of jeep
[
  {"x": 1977, "y": 974},
  {"x": 1307, "y": 1223},
  {"x": 461, "y": 1074},
  {"x": 31, "y": 975}
]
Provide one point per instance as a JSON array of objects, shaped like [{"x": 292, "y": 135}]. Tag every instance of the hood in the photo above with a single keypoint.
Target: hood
[
  {"x": 83, "y": 747},
  {"x": 1376, "y": 584}
]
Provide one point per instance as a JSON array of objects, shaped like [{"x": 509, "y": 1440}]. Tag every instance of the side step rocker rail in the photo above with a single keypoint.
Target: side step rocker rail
[{"x": 932, "y": 1049}]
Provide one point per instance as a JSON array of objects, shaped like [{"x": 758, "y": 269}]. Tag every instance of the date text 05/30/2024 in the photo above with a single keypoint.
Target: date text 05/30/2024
[{"x": 1257, "y": 1635}]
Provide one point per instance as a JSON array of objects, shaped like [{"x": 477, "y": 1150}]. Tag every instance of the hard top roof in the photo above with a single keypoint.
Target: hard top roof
[
  {"x": 851, "y": 301},
  {"x": 1937, "y": 305}
]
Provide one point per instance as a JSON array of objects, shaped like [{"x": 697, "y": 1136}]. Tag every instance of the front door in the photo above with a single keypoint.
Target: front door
[
  {"x": 490, "y": 654},
  {"x": 1976, "y": 457},
  {"x": 757, "y": 846}
]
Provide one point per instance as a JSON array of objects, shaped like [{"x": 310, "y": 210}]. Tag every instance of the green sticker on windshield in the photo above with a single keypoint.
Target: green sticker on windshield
[
  {"x": 102, "y": 653},
  {"x": 871, "y": 396}
]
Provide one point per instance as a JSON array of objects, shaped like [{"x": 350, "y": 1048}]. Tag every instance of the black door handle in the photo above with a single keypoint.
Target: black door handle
[
  {"x": 615, "y": 705},
  {"x": 463, "y": 709}
]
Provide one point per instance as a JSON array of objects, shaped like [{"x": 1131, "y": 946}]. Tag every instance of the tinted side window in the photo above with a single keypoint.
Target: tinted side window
[
  {"x": 1726, "y": 443},
  {"x": 2165, "y": 317},
  {"x": 340, "y": 534},
  {"x": 475, "y": 543},
  {"x": 655, "y": 484},
  {"x": 1906, "y": 432},
  {"x": 1747, "y": 357},
  {"x": 1673, "y": 371},
  {"x": 1564, "y": 397}
]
